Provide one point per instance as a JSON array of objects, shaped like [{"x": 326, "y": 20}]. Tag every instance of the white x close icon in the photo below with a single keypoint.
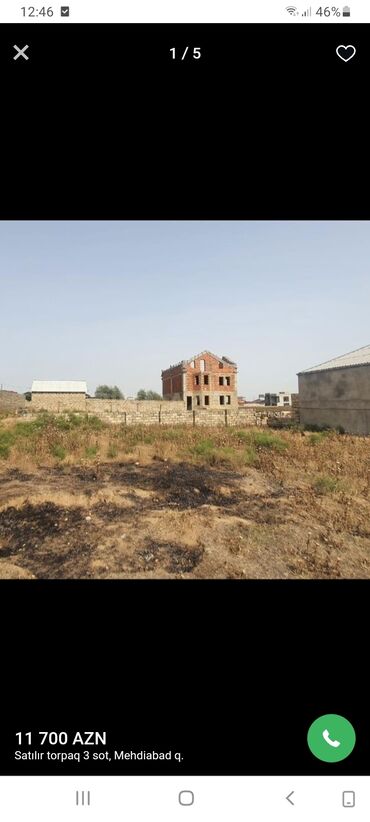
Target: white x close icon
[{"x": 21, "y": 53}]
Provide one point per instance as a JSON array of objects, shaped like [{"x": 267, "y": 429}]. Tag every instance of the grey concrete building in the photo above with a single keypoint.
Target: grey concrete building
[{"x": 337, "y": 393}]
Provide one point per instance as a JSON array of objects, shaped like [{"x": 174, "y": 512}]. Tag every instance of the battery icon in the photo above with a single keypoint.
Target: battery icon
[{"x": 346, "y": 11}]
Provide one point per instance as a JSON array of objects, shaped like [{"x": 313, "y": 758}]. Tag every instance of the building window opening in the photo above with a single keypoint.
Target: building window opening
[
  {"x": 227, "y": 380},
  {"x": 198, "y": 399},
  {"x": 228, "y": 400},
  {"x": 188, "y": 403},
  {"x": 202, "y": 365},
  {"x": 220, "y": 365},
  {"x": 220, "y": 380},
  {"x": 206, "y": 379},
  {"x": 192, "y": 364},
  {"x": 206, "y": 399},
  {"x": 222, "y": 399},
  {"x": 196, "y": 379}
]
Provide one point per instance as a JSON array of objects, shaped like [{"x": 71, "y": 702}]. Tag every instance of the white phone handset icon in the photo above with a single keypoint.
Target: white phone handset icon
[{"x": 333, "y": 742}]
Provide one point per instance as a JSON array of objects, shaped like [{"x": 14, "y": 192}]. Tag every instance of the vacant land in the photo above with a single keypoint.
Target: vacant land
[{"x": 84, "y": 499}]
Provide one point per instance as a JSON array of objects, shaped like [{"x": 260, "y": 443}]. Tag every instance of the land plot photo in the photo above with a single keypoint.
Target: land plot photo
[{"x": 184, "y": 400}]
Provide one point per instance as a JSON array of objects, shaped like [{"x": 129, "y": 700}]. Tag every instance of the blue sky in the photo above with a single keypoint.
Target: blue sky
[{"x": 115, "y": 302}]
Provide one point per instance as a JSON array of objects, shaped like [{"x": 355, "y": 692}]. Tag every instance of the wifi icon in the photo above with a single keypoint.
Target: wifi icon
[{"x": 292, "y": 10}]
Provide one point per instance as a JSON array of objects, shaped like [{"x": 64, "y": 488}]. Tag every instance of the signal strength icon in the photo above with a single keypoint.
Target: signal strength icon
[
  {"x": 307, "y": 13},
  {"x": 292, "y": 10}
]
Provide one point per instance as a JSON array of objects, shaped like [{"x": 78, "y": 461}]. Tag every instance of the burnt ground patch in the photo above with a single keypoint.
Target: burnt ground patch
[
  {"x": 181, "y": 484},
  {"x": 57, "y": 541},
  {"x": 265, "y": 510},
  {"x": 61, "y": 560},
  {"x": 43, "y": 537},
  {"x": 186, "y": 486},
  {"x": 13, "y": 474},
  {"x": 110, "y": 512},
  {"x": 172, "y": 557},
  {"x": 30, "y": 524},
  {"x": 141, "y": 520},
  {"x": 23, "y": 527}
]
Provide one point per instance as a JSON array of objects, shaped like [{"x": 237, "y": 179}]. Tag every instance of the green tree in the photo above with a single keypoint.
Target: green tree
[
  {"x": 148, "y": 395},
  {"x": 108, "y": 392}
]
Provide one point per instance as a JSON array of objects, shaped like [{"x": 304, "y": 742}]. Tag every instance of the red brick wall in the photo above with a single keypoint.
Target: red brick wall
[
  {"x": 213, "y": 381},
  {"x": 177, "y": 383},
  {"x": 172, "y": 385},
  {"x": 172, "y": 372},
  {"x": 212, "y": 368},
  {"x": 172, "y": 381}
]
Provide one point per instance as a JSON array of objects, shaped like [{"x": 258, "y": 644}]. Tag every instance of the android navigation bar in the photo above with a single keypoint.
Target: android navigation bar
[{"x": 172, "y": 798}]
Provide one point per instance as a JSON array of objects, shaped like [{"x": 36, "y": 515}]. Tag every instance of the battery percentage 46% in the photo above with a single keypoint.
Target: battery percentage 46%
[{"x": 328, "y": 11}]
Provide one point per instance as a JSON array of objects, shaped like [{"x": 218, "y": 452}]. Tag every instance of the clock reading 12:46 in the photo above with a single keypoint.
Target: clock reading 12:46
[{"x": 31, "y": 11}]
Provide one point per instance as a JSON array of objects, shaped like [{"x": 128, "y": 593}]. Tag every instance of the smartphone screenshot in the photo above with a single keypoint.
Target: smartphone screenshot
[{"x": 184, "y": 411}]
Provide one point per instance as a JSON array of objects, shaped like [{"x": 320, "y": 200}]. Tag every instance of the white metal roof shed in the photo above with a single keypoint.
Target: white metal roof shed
[{"x": 59, "y": 387}]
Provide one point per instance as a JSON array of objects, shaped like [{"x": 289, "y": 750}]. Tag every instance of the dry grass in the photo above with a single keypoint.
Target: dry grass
[
  {"x": 327, "y": 463},
  {"x": 248, "y": 503},
  {"x": 49, "y": 440}
]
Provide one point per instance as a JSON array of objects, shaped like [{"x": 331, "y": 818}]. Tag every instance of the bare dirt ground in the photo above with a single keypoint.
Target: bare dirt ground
[{"x": 163, "y": 518}]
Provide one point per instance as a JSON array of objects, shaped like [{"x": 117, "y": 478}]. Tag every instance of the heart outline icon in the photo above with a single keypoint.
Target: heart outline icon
[{"x": 341, "y": 56}]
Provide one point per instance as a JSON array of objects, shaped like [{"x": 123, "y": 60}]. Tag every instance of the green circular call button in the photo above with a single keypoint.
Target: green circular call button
[{"x": 331, "y": 738}]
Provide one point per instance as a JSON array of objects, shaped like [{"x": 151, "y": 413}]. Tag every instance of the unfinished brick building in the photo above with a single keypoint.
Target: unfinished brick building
[{"x": 204, "y": 381}]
